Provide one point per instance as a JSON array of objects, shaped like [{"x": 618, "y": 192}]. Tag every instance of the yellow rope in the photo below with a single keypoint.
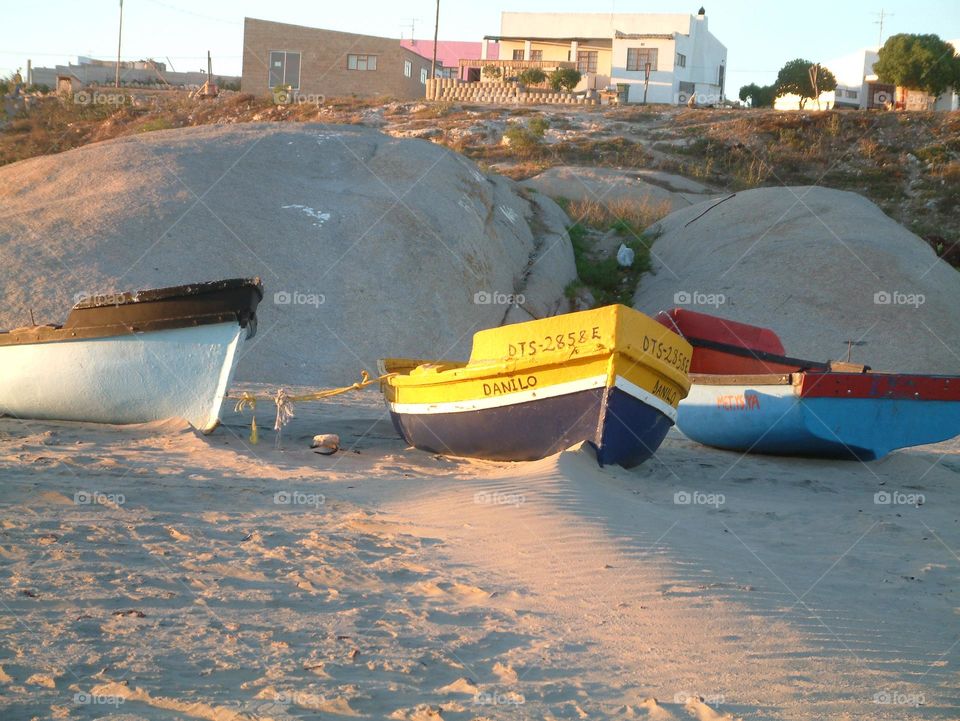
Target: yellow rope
[{"x": 285, "y": 402}]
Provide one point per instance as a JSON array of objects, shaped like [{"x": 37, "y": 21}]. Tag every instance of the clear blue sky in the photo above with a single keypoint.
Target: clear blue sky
[{"x": 760, "y": 35}]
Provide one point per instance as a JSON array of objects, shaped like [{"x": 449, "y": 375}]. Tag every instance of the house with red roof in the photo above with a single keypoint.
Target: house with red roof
[{"x": 454, "y": 56}]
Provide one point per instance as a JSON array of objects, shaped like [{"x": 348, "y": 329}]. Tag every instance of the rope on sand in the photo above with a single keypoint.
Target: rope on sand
[{"x": 285, "y": 401}]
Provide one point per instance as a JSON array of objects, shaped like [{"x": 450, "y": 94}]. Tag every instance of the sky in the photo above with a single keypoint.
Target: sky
[{"x": 760, "y": 36}]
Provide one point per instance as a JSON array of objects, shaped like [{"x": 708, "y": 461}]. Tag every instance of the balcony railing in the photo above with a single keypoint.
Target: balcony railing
[{"x": 517, "y": 64}]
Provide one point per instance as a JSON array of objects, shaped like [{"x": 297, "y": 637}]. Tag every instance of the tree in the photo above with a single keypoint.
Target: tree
[
  {"x": 532, "y": 76},
  {"x": 761, "y": 96},
  {"x": 564, "y": 79},
  {"x": 797, "y": 78},
  {"x": 919, "y": 62},
  {"x": 492, "y": 72}
]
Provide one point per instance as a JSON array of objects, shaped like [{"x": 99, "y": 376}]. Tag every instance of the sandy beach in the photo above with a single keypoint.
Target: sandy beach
[{"x": 152, "y": 573}]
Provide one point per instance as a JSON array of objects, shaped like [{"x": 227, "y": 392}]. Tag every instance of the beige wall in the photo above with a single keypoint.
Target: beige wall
[{"x": 323, "y": 61}]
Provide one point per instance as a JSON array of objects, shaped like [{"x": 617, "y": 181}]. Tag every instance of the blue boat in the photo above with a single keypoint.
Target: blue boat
[
  {"x": 748, "y": 396},
  {"x": 823, "y": 414}
]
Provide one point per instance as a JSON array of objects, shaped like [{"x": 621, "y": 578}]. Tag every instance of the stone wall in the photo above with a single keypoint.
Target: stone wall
[{"x": 453, "y": 90}]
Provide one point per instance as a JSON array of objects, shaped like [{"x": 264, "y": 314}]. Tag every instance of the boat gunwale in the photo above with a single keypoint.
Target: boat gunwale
[
  {"x": 816, "y": 384},
  {"x": 478, "y": 370},
  {"x": 43, "y": 334},
  {"x": 152, "y": 295},
  {"x": 232, "y": 300}
]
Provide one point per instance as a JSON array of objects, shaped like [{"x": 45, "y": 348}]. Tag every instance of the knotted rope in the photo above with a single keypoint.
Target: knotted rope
[{"x": 285, "y": 401}]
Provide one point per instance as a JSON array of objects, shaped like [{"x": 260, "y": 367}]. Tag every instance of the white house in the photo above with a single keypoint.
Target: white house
[
  {"x": 950, "y": 100},
  {"x": 858, "y": 87},
  {"x": 678, "y": 51}
]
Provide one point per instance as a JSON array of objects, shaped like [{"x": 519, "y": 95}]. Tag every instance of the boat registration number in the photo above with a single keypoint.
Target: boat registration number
[
  {"x": 667, "y": 352},
  {"x": 552, "y": 343}
]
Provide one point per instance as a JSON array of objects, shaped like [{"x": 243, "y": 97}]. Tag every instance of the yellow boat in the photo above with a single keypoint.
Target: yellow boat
[{"x": 610, "y": 376}]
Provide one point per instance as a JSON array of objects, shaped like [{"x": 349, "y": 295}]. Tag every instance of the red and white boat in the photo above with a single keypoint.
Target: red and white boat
[{"x": 748, "y": 395}]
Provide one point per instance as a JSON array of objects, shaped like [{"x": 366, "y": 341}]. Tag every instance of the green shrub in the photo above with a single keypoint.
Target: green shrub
[
  {"x": 532, "y": 76},
  {"x": 523, "y": 141},
  {"x": 564, "y": 79},
  {"x": 492, "y": 72},
  {"x": 538, "y": 126}
]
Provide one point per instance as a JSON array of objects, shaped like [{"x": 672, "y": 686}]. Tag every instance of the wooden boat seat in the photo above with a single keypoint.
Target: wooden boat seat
[{"x": 416, "y": 366}]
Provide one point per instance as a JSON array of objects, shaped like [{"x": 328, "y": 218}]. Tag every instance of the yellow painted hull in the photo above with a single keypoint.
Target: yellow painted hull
[{"x": 587, "y": 364}]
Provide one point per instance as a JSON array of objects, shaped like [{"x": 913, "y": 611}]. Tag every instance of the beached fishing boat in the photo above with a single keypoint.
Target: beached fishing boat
[
  {"x": 132, "y": 357},
  {"x": 747, "y": 395},
  {"x": 611, "y": 376}
]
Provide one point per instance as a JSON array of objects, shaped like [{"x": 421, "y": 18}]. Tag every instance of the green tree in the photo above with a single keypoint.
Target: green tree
[
  {"x": 532, "y": 76},
  {"x": 492, "y": 72},
  {"x": 564, "y": 79},
  {"x": 919, "y": 62},
  {"x": 761, "y": 96},
  {"x": 795, "y": 77}
]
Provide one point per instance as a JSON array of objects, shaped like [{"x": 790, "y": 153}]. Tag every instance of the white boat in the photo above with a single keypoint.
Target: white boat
[{"x": 132, "y": 357}]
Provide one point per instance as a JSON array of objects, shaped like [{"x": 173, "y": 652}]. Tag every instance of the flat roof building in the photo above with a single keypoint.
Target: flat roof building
[
  {"x": 329, "y": 63},
  {"x": 661, "y": 58}
]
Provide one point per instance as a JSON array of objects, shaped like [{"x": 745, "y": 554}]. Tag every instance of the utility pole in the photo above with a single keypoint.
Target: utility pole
[
  {"x": 882, "y": 15},
  {"x": 119, "y": 40},
  {"x": 436, "y": 30}
]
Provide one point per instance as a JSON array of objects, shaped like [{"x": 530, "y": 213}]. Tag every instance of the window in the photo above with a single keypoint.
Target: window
[
  {"x": 637, "y": 58},
  {"x": 587, "y": 61},
  {"x": 361, "y": 62},
  {"x": 407, "y": 68},
  {"x": 284, "y": 69},
  {"x": 536, "y": 54},
  {"x": 681, "y": 60},
  {"x": 518, "y": 54},
  {"x": 423, "y": 75}
]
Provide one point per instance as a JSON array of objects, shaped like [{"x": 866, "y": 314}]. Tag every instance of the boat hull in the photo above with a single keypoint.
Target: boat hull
[
  {"x": 623, "y": 428},
  {"x": 129, "y": 378},
  {"x": 778, "y": 420},
  {"x": 610, "y": 376}
]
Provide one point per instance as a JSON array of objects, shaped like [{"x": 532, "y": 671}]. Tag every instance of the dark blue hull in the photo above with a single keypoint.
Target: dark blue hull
[{"x": 623, "y": 429}]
